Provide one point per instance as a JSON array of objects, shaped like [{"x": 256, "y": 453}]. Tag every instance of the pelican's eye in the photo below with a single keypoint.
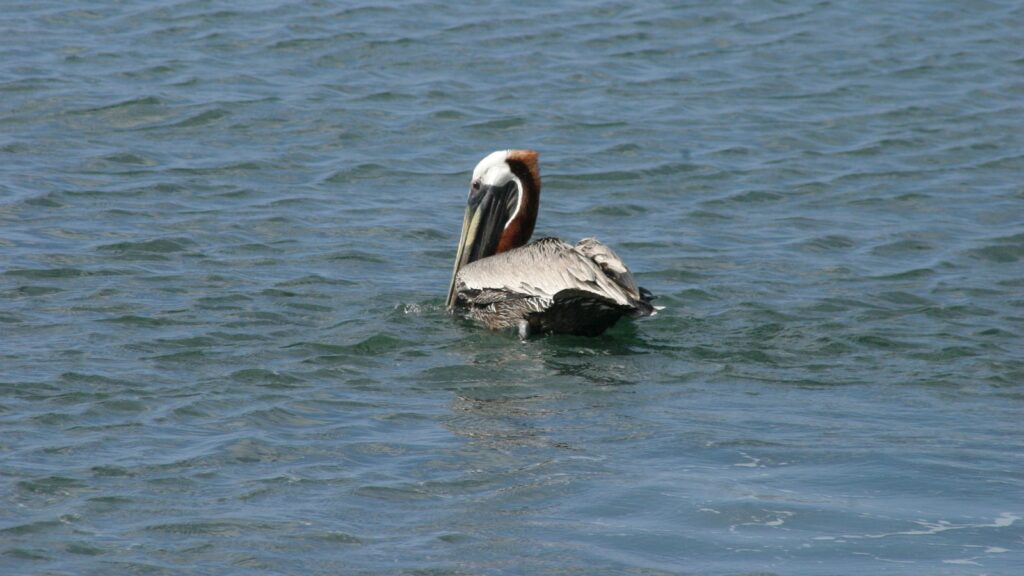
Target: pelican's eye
[{"x": 475, "y": 193}]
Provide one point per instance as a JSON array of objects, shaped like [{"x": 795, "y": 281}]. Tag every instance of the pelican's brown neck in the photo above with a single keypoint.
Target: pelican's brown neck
[{"x": 523, "y": 164}]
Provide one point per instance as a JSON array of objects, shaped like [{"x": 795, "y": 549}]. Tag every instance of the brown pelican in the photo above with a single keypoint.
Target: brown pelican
[{"x": 547, "y": 286}]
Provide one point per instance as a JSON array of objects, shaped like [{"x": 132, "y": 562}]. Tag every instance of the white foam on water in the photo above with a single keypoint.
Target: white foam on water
[
  {"x": 752, "y": 463},
  {"x": 1004, "y": 520},
  {"x": 965, "y": 561}
]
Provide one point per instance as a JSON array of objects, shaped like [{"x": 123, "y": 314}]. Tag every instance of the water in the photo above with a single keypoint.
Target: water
[{"x": 228, "y": 229}]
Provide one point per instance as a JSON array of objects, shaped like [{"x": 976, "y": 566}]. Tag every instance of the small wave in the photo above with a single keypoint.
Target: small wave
[
  {"x": 502, "y": 124},
  {"x": 142, "y": 101},
  {"x": 902, "y": 247},
  {"x": 222, "y": 528},
  {"x": 999, "y": 253},
  {"x": 46, "y": 273},
  {"x": 30, "y": 291},
  {"x": 130, "y": 159},
  {"x": 312, "y": 279},
  {"x": 624, "y": 210},
  {"x": 52, "y": 485},
  {"x": 912, "y": 274},
  {"x": 31, "y": 527},
  {"x": 156, "y": 246},
  {"x": 140, "y": 321},
  {"x": 267, "y": 378},
  {"x": 201, "y": 119},
  {"x": 828, "y": 243}
]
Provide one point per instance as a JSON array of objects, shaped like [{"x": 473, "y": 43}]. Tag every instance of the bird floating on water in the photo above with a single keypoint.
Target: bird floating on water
[{"x": 545, "y": 287}]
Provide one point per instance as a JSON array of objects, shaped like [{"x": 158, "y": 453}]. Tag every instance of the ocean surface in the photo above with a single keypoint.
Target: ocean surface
[{"x": 227, "y": 231}]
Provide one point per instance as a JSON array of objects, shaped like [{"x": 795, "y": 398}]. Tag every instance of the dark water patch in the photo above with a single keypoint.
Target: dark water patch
[
  {"x": 28, "y": 390},
  {"x": 374, "y": 345},
  {"x": 119, "y": 406},
  {"x": 83, "y": 549},
  {"x": 707, "y": 216},
  {"x": 58, "y": 273},
  {"x": 186, "y": 342},
  {"x": 965, "y": 291},
  {"x": 997, "y": 333},
  {"x": 201, "y": 119},
  {"x": 902, "y": 247},
  {"x": 231, "y": 302},
  {"x": 30, "y": 291},
  {"x": 339, "y": 538},
  {"x": 312, "y": 308},
  {"x": 999, "y": 254},
  {"x": 314, "y": 279},
  {"x": 584, "y": 181},
  {"x": 126, "y": 114},
  {"x": 678, "y": 299},
  {"x": 130, "y": 103},
  {"x": 913, "y": 274},
  {"x": 251, "y": 451},
  {"x": 883, "y": 343},
  {"x": 958, "y": 311},
  {"x": 253, "y": 319},
  {"x": 49, "y": 200},
  {"x": 905, "y": 299},
  {"x": 746, "y": 197},
  {"x": 403, "y": 493},
  {"x": 52, "y": 485},
  {"x": 142, "y": 321},
  {"x": 302, "y": 44},
  {"x": 240, "y": 337},
  {"x": 828, "y": 243},
  {"x": 359, "y": 256},
  {"x": 618, "y": 210},
  {"x": 185, "y": 357},
  {"x": 130, "y": 159},
  {"x": 387, "y": 96},
  {"x": 267, "y": 378},
  {"x": 148, "y": 247},
  {"x": 107, "y": 471},
  {"x": 946, "y": 354},
  {"x": 31, "y": 527},
  {"x": 78, "y": 397},
  {"x": 240, "y": 169},
  {"x": 215, "y": 528},
  {"x": 685, "y": 276},
  {"x": 19, "y": 553},
  {"x": 425, "y": 234},
  {"x": 361, "y": 172},
  {"x": 146, "y": 568},
  {"x": 278, "y": 293},
  {"x": 500, "y": 124},
  {"x": 448, "y": 114},
  {"x": 281, "y": 417},
  {"x": 1002, "y": 251}
]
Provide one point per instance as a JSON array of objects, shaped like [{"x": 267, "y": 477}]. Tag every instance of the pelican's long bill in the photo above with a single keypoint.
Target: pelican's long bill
[{"x": 488, "y": 213}]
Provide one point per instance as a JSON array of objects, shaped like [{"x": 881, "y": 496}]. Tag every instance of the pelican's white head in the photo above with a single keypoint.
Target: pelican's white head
[{"x": 504, "y": 193}]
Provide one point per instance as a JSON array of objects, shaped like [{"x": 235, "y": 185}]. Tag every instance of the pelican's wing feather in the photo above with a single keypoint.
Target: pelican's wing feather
[{"x": 544, "y": 268}]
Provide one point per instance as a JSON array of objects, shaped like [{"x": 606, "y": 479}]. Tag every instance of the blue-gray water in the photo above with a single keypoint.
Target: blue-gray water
[{"x": 226, "y": 233}]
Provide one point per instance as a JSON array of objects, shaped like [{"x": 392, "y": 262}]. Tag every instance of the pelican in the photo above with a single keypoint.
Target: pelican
[{"x": 545, "y": 287}]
